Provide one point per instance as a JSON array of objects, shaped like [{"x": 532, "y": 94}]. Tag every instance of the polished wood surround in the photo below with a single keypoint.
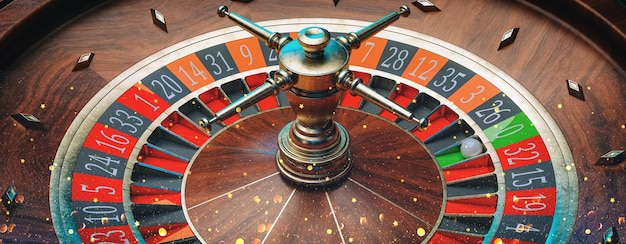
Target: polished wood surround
[{"x": 39, "y": 81}]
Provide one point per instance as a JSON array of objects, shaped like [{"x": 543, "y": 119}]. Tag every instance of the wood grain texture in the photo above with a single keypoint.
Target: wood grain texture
[
  {"x": 121, "y": 34},
  {"x": 234, "y": 190}
]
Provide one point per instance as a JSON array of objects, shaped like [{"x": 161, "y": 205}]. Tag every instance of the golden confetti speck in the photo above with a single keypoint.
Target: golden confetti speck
[
  {"x": 70, "y": 231},
  {"x": 310, "y": 167},
  {"x": 587, "y": 231},
  {"x": 162, "y": 231},
  {"x": 301, "y": 106},
  {"x": 354, "y": 200},
  {"x": 398, "y": 157},
  {"x": 623, "y": 126},
  {"x": 71, "y": 88},
  {"x": 329, "y": 231},
  {"x": 496, "y": 109},
  {"x": 261, "y": 228},
  {"x": 256, "y": 199},
  {"x": 401, "y": 180},
  {"x": 585, "y": 178},
  {"x": 42, "y": 106},
  {"x": 363, "y": 220},
  {"x": 421, "y": 231},
  {"x": 230, "y": 195},
  {"x": 245, "y": 173},
  {"x": 568, "y": 167},
  {"x": 238, "y": 110},
  {"x": 351, "y": 239},
  {"x": 395, "y": 223},
  {"x": 51, "y": 167},
  {"x": 209, "y": 229},
  {"x": 364, "y": 126},
  {"x": 588, "y": 88},
  {"x": 22, "y": 160},
  {"x": 239, "y": 241},
  {"x": 560, "y": 106},
  {"x": 278, "y": 198},
  {"x": 612, "y": 200},
  {"x": 415, "y": 199}
]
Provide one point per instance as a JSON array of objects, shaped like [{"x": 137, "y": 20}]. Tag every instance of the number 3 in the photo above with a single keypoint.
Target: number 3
[{"x": 473, "y": 94}]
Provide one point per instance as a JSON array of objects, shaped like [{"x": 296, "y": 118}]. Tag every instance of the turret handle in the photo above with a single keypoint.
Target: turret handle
[
  {"x": 346, "y": 81},
  {"x": 274, "y": 40},
  {"x": 271, "y": 86},
  {"x": 353, "y": 40}
]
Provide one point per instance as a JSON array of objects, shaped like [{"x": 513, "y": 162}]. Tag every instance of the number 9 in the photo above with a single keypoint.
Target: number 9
[{"x": 246, "y": 53}]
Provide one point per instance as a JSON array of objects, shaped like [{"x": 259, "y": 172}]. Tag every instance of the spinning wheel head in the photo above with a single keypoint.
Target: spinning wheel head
[{"x": 313, "y": 40}]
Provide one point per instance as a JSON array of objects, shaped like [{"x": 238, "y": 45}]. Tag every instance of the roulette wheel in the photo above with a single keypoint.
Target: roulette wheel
[
  {"x": 144, "y": 161},
  {"x": 506, "y": 189}
]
